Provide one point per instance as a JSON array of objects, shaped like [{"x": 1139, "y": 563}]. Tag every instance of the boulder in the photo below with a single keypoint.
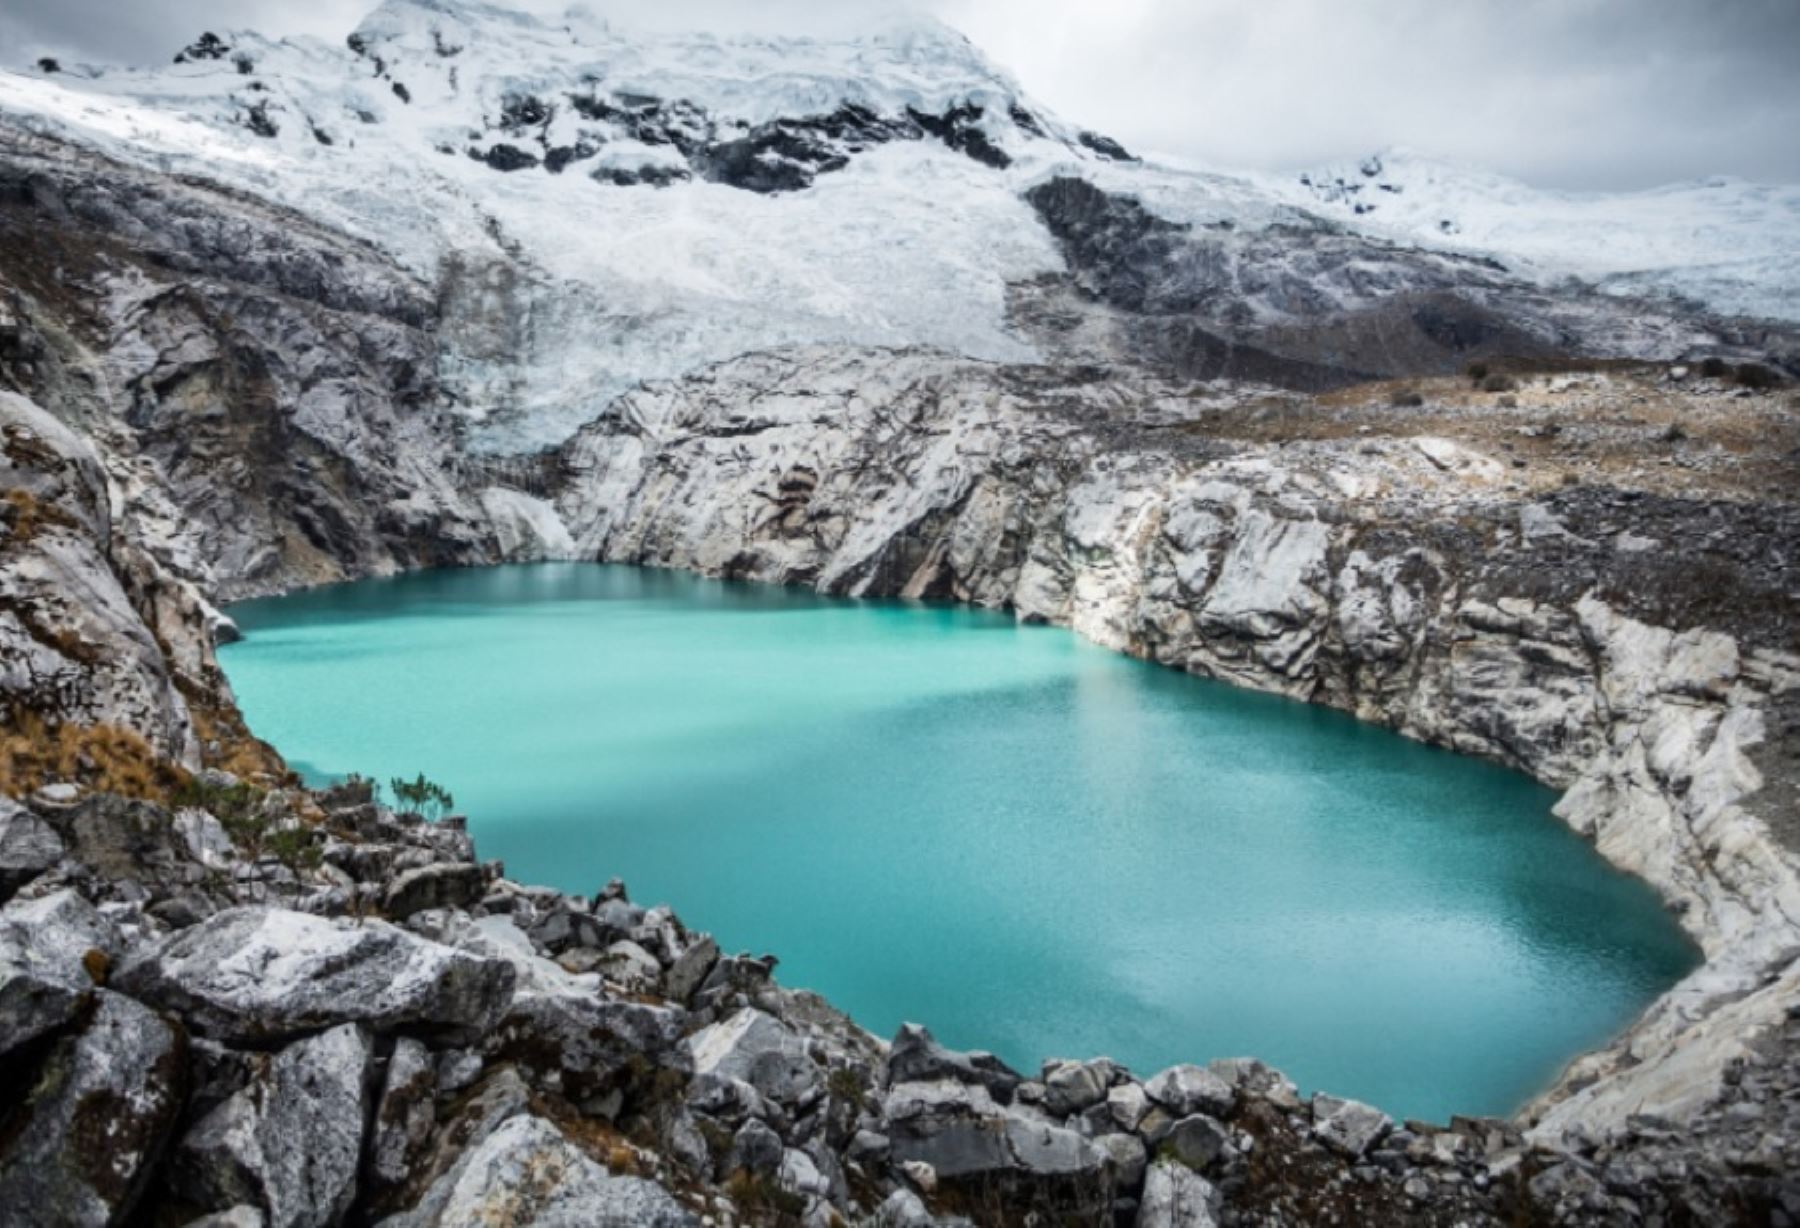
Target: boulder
[
  {"x": 1249, "y": 1077},
  {"x": 1126, "y": 1105},
  {"x": 755, "y": 1148},
  {"x": 262, "y": 974},
  {"x": 760, "y": 1050},
  {"x": 960, "y": 1131},
  {"x": 1177, "y": 1197},
  {"x": 440, "y": 885},
  {"x": 51, "y": 949},
  {"x": 916, "y": 1056},
  {"x": 629, "y": 966},
  {"x": 955, "y": 1129},
  {"x": 1196, "y": 1140},
  {"x": 904, "y": 1209},
  {"x": 81, "y": 1146},
  {"x": 288, "y": 1143},
  {"x": 1070, "y": 1087},
  {"x": 1184, "y": 1090},
  {"x": 1348, "y": 1127},
  {"x": 1046, "y": 1150},
  {"x": 599, "y": 1047},
  {"x": 28, "y": 847},
  {"x": 1127, "y": 1156},
  {"x": 690, "y": 969},
  {"x": 526, "y": 1173},
  {"x": 405, "y": 1114}
]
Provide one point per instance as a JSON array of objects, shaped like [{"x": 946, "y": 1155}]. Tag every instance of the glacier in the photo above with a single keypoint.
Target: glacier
[{"x": 577, "y": 190}]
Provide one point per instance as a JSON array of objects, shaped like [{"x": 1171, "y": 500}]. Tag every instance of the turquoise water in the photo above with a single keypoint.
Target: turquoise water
[{"x": 1027, "y": 843}]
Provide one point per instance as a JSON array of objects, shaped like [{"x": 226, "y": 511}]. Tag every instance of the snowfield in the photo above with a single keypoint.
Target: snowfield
[{"x": 432, "y": 132}]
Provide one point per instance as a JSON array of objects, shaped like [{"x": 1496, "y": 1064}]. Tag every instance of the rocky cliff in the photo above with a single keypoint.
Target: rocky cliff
[
  {"x": 1523, "y": 576},
  {"x": 223, "y": 995}
]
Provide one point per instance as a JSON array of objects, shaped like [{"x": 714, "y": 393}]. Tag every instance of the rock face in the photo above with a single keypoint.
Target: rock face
[
  {"x": 1307, "y": 304},
  {"x": 259, "y": 974},
  {"x": 271, "y": 1005},
  {"x": 82, "y": 1146},
  {"x": 262, "y": 1064},
  {"x": 1391, "y": 574},
  {"x": 288, "y": 1142},
  {"x": 527, "y": 1173}
]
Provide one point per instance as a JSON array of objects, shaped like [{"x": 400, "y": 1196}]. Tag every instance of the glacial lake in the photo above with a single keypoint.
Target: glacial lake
[{"x": 1029, "y": 844}]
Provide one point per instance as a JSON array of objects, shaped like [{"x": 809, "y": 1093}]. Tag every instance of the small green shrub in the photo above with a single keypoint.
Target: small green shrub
[
  {"x": 1478, "y": 371},
  {"x": 1499, "y": 383},
  {"x": 425, "y": 798},
  {"x": 1405, "y": 398},
  {"x": 1715, "y": 368}
]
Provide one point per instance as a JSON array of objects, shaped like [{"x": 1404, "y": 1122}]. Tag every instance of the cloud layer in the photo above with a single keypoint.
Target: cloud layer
[{"x": 1568, "y": 93}]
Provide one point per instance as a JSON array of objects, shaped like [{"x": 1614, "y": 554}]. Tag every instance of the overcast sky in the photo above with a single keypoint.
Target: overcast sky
[{"x": 1565, "y": 93}]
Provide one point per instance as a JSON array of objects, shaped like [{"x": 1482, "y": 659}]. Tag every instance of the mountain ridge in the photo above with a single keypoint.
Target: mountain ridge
[{"x": 650, "y": 203}]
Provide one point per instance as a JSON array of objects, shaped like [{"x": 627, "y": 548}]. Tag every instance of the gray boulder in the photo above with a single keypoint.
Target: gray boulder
[
  {"x": 288, "y": 1143},
  {"x": 28, "y": 847},
  {"x": 440, "y": 885},
  {"x": 755, "y": 1148},
  {"x": 1071, "y": 1087},
  {"x": 1177, "y": 1197},
  {"x": 259, "y": 974},
  {"x": 1196, "y": 1140},
  {"x": 527, "y": 1174},
  {"x": 598, "y": 1046},
  {"x": 690, "y": 968},
  {"x": 405, "y": 1114},
  {"x": 1127, "y": 1104},
  {"x": 1127, "y": 1156},
  {"x": 1348, "y": 1127},
  {"x": 50, "y": 950},
  {"x": 760, "y": 1050},
  {"x": 960, "y": 1131},
  {"x": 916, "y": 1056},
  {"x": 1184, "y": 1090},
  {"x": 1254, "y": 1078},
  {"x": 81, "y": 1147}
]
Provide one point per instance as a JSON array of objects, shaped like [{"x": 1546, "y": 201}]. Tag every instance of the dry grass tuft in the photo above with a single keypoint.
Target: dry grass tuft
[{"x": 35, "y": 752}]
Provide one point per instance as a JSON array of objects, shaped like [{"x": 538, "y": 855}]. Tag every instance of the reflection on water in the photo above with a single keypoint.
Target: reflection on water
[{"x": 1030, "y": 844}]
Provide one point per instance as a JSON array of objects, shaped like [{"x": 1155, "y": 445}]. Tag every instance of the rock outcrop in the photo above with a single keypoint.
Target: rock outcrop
[
  {"x": 1504, "y": 609},
  {"x": 225, "y": 997},
  {"x": 604, "y": 1100}
]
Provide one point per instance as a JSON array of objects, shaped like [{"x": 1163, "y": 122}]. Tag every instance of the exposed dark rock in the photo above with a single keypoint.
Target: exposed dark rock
[
  {"x": 1105, "y": 146},
  {"x": 504, "y": 157},
  {"x": 959, "y": 128},
  {"x": 208, "y": 46},
  {"x": 28, "y": 847},
  {"x": 289, "y": 1142},
  {"x": 81, "y": 1145}
]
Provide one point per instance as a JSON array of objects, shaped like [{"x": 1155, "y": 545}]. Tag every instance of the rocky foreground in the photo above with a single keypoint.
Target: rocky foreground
[
  {"x": 290, "y": 1008},
  {"x": 223, "y": 995}
]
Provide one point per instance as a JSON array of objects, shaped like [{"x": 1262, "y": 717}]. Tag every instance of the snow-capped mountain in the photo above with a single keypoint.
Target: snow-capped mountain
[
  {"x": 594, "y": 207},
  {"x": 1731, "y": 244}
]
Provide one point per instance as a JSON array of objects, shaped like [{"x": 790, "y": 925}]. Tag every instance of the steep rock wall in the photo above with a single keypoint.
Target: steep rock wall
[{"x": 1405, "y": 578}]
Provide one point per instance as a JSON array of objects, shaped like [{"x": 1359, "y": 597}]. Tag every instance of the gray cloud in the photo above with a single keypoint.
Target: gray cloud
[{"x": 1573, "y": 93}]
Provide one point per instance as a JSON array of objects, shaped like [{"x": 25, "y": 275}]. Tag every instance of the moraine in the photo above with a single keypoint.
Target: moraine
[{"x": 1031, "y": 844}]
